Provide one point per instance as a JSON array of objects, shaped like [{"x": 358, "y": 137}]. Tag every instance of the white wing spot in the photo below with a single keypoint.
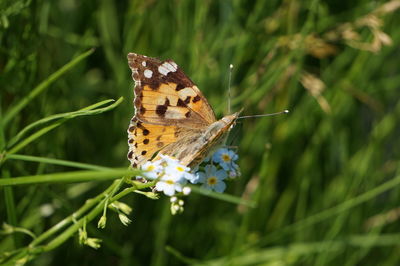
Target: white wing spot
[
  {"x": 163, "y": 70},
  {"x": 148, "y": 73},
  {"x": 144, "y": 63},
  {"x": 174, "y": 113},
  {"x": 167, "y": 67},
  {"x": 174, "y": 65},
  {"x": 186, "y": 92}
]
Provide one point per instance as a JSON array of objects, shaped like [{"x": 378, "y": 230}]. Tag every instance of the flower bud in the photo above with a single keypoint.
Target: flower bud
[
  {"x": 102, "y": 222},
  {"x": 124, "y": 219}
]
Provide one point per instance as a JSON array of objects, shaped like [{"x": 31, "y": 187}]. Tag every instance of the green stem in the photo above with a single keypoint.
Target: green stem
[
  {"x": 10, "y": 207},
  {"x": 33, "y": 137},
  {"x": 93, "y": 213},
  {"x": 123, "y": 193},
  {"x": 22, "y": 230},
  {"x": 87, "y": 206},
  {"x": 100, "y": 200},
  {"x": 93, "y": 109}
]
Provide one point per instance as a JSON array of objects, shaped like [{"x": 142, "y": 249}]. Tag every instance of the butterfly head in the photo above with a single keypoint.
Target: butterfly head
[
  {"x": 221, "y": 127},
  {"x": 230, "y": 120}
]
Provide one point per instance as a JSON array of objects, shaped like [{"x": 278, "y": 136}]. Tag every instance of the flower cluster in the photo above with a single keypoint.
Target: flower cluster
[
  {"x": 220, "y": 166},
  {"x": 172, "y": 176},
  {"x": 226, "y": 159}
]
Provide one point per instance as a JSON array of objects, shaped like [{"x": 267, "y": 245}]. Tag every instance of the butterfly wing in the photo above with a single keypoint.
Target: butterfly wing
[
  {"x": 165, "y": 95},
  {"x": 168, "y": 107},
  {"x": 146, "y": 139}
]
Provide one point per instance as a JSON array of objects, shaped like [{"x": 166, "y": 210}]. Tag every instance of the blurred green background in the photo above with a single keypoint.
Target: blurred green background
[{"x": 324, "y": 177}]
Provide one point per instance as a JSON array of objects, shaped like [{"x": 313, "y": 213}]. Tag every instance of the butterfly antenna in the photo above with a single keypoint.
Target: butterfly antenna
[
  {"x": 229, "y": 88},
  {"x": 250, "y": 116}
]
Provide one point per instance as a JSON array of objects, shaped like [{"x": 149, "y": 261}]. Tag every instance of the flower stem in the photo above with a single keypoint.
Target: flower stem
[{"x": 92, "y": 208}]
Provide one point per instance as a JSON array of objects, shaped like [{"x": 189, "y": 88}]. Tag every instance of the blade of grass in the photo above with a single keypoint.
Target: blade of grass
[
  {"x": 69, "y": 177},
  {"x": 56, "y": 162},
  {"x": 2, "y": 138},
  {"x": 223, "y": 197},
  {"x": 10, "y": 207},
  {"x": 326, "y": 214},
  {"x": 260, "y": 256},
  {"x": 180, "y": 256},
  {"x": 163, "y": 224},
  {"x": 42, "y": 86}
]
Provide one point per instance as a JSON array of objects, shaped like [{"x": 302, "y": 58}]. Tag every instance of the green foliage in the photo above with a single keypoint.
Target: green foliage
[{"x": 319, "y": 186}]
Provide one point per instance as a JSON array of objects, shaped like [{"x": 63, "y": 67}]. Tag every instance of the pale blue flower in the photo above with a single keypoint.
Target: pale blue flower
[
  {"x": 212, "y": 178},
  {"x": 234, "y": 171},
  {"x": 225, "y": 158}
]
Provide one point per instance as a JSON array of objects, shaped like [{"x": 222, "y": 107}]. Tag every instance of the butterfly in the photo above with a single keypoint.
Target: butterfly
[{"x": 172, "y": 117}]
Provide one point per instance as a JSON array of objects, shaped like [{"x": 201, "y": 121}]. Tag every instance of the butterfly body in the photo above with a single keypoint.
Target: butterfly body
[
  {"x": 193, "y": 148},
  {"x": 172, "y": 117}
]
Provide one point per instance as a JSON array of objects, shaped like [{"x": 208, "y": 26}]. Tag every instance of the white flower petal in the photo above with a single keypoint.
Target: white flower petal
[
  {"x": 160, "y": 186},
  {"x": 178, "y": 187},
  {"x": 191, "y": 177},
  {"x": 169, "y": 190}
]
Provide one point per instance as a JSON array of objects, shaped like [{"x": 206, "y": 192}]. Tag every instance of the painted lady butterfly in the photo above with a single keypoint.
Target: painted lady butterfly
[{"x": 172, "y": 116}]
